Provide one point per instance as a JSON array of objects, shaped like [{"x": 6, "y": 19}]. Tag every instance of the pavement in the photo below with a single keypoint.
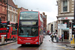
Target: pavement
[
  {"x": 70, "y": 45},
  {"x": 66, "y": 43},
  {"x": 46, "y": 45},
  {"x": 5, "y": 43}
]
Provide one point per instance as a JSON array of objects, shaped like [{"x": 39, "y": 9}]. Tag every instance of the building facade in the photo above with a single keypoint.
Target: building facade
[
  {"x": 44, "y": 22},
  {"x": 3, "y": 10},
  {"x": 49, "y": 27},
  {"x": 12, "y": 12},
  {"x": 65, "y": 16},
  {"x": 52, "y": 27},
  {"x": 55, "y": 26}
]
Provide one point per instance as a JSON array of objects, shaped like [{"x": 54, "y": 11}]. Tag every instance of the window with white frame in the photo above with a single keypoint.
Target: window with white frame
[
  {"x": 8, "y": 17},
  {"x": 12, "y": 18},
  {"x": 15, "y": 18},
  {"x": 65, "y": 5}
]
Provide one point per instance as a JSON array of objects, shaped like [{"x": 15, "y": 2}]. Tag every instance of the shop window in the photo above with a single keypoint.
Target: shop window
[
  {"x": 66, "y": 22},
  {"x": 65, "y": 5}
]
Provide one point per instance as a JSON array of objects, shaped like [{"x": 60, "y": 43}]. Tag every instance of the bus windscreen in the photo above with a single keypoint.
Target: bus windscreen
[
  {"x": 28, "y": 31},
  {"x": 28, "y": 15}
]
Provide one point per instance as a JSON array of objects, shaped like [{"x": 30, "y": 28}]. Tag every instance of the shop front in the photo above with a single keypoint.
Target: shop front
[{"x": 66, "y": 30}]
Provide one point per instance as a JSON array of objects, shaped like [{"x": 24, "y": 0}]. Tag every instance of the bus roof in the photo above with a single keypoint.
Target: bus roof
[
  {"x": 10, "y": 22},
  {"x": 30, "y": 11}
]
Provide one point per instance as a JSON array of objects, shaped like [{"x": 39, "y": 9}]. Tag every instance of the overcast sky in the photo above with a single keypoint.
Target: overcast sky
[{"x": 47, "y": 6}]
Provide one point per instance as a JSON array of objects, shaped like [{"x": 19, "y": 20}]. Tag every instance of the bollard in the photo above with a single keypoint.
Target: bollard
[
  {"x": 2, "y": 40},
  {"x": 72, "y": 39}
]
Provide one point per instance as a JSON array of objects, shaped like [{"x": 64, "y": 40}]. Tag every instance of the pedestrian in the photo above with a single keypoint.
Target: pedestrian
[
  {"x": 52, "y": 37},
  {"x": 56, "y": 37},
  {"x": 62, "y": 37}
]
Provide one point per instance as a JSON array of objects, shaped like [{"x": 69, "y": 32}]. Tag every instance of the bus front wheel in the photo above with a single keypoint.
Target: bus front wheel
[{"x": 22, "y": 45}]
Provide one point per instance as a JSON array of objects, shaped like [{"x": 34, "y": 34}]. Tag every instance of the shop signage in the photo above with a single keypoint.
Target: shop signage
[
  {"x": 62, "y": 26},
  {"x": 64, "y": 18}
]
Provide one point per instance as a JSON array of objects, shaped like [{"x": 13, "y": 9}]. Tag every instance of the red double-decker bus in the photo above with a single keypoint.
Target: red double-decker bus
[
  {"x": 8, "y": 31},
  {"x": 30, "y": 28}
]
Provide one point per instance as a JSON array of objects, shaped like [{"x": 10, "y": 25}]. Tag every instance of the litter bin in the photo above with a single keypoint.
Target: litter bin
[{"x": 2, "y": 40}]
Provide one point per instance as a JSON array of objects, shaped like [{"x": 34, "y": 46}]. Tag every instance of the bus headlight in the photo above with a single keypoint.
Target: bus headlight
[
  {"x": 19, "y": 39},
  {"x": 36, "y": 39}
]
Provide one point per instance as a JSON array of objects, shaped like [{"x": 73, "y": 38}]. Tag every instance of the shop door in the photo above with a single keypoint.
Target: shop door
[{"x": 66, "y": 35}]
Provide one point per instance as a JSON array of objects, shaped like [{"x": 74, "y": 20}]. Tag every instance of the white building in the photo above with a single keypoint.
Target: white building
[{"x": 65, "y": 15}]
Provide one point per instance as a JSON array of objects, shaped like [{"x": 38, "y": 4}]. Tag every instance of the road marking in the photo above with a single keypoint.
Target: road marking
[
  {"x": 40, "y": 49},
  {"x": 65, "y": 47},
  {"x": 12, "y": 49}
]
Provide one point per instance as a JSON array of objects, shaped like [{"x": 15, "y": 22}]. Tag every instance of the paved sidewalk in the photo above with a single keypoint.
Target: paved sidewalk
[
  {"x": 6, "y": 43},
  {"x": 70, "y": 45}
]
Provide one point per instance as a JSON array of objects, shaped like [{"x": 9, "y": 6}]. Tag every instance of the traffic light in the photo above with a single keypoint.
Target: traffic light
[
  {"x": 0, "y": 23},
  {"x": 16, "y": 25},
  {"x": 70, "y": 24},
  {"x": 0, "y": 20},
  {"x": 8, "y": 22}
]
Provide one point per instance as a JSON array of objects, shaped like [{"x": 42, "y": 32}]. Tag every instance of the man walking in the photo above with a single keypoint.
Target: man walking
[
  {"x": 62, "y": 36},
  {"x": 52, "y": 37}
]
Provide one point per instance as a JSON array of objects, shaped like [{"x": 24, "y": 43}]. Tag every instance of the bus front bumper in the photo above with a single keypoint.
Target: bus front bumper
[{"x": 27, "y": 41}]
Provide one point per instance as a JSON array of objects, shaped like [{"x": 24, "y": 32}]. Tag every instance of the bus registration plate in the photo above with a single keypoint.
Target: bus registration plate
[{"x": 27, "y": 43}]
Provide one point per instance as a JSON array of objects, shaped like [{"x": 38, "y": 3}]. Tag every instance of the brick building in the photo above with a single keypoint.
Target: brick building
[
  {"x": 3, "y": 11},
  {"x": 12, "y": 11},
  {"x": 44, "y": 17}
]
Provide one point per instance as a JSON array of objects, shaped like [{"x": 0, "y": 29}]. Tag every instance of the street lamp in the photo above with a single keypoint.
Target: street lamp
[
  {"x": 7, "y": 10},
  {"x": 7, "y": 19}
]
